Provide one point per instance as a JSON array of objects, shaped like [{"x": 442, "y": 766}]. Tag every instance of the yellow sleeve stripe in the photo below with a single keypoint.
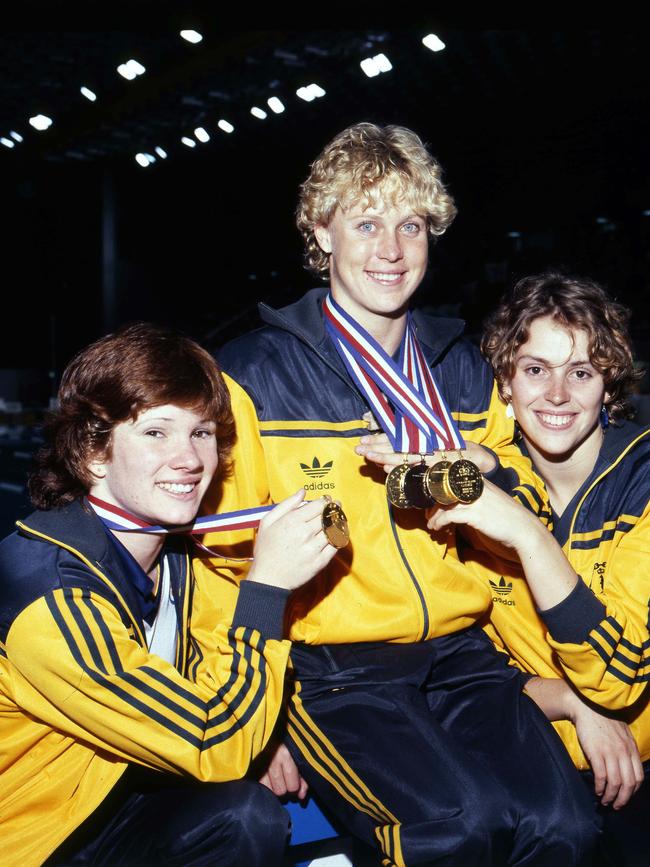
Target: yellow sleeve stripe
[{"x": 280, "y": 425}]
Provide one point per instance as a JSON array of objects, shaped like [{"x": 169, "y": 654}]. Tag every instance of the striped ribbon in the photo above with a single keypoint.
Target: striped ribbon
[
  {"x": 418, "y": 420},
  {"x": 118, "y": 519}
]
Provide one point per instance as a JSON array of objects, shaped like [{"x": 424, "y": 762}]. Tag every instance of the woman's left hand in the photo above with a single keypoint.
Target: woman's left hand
[{"x": 377, "y": 449}]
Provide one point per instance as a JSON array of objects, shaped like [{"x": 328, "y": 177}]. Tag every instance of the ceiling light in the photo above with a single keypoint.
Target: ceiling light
[
  {"x": 131, "y": 69},
  {"x": 7, "y": 142},
  {"x": 192, "y": 36},
  {"x": 370, "y": 67},
  {"x": 16, "y": 136},
  {"x": 201, "y": 134},
  {"x": 311, "y": 92},
  {"x": 225, "y": 126},
  {"x": 188, "y": 141},
  {"x": 258, "y": 112},
  {"x": 40, "y": 121},
  {"x": 87, "y": 92},
  {"x": 374, "y": 65},
  {"x": 141, "y": 160},
  {"x": 275, "y": 105},
  {"x": 161, "y": 153},
  {"x": 433, "y": 42}
]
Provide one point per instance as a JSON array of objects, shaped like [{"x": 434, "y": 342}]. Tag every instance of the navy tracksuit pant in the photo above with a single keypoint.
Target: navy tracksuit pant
[
  {"x": 432, "y": 752},
  {"x": 150, "y": 819}
]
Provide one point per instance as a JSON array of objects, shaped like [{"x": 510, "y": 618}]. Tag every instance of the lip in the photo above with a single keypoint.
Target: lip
[{"x": 555, "y": 421}]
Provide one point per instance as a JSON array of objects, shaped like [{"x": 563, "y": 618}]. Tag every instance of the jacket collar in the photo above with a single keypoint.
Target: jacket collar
[
  {"x": 304, "y": 319},
  {"x": 77, "y": 528}
]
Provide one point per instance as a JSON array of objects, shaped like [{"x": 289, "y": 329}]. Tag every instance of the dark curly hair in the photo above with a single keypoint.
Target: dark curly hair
[
  {"x": 112, "y": 381},
  {"x": 576, "y": 303}
]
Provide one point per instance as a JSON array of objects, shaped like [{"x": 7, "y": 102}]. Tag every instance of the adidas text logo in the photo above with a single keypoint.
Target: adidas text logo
[
  {"x": 316, "y": 471},
  {"x": 502, "y": 589}
]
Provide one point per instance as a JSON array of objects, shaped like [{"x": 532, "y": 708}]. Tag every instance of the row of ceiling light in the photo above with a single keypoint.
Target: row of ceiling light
[{"x": 132, "y": 69}]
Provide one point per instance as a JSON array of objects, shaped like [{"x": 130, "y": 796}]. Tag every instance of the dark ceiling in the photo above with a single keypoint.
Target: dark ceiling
[{"x": 540, "y": 132}]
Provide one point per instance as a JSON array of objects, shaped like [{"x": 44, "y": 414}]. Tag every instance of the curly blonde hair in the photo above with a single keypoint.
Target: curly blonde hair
[
  {"x": 369, "y": 163},
  {"x": 575, "y": 303}
]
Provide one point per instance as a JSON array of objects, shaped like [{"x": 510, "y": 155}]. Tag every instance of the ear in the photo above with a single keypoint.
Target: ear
[
  {"x": 97, "y": 468},
  {"x": 507, "y": 392},
  {"x": 323, "y": 237}
]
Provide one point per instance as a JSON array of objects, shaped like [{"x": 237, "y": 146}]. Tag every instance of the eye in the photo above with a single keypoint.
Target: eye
[
  {"x": 154, "y": 432},
  {"x": 534, "y": 370},
  {"x": 411, "y": 228},
  {"x": 581, "y": 374},
  {"x": 203, "y": 433},
  {"x": 366, "y": 227}
]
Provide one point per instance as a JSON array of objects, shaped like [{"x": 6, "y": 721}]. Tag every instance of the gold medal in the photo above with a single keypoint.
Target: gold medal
[
  {"x": 395, "y": 490},
  {"x": 437, "y": 484},
  {"x": 335, "y": 525},
  {"x": 444, "y": 483},
  {"x": 465, "y": 481}
]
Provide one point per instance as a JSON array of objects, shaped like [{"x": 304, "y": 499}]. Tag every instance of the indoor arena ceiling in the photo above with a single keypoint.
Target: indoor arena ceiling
[{"x": 589, "y": 79}]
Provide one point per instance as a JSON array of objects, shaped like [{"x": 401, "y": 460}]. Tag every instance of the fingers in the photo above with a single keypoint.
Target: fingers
[{"x": 284, "y": 507}]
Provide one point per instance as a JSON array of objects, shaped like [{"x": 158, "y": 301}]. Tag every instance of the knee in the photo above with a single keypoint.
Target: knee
[
  {"x": 259, "y": 828},
  {"x": 227, "y": 824}
]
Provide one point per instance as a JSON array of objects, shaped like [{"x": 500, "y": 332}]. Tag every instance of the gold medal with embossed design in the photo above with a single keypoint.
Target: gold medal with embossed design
[
  {"x": 444, "y": 483},
  {"x": 335, "y": 524},
  {"x": 395, "y": 490}
]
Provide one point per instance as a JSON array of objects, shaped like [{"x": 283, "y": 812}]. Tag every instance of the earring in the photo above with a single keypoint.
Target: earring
[
  {"x": 510, "y": 413},
  {"x": 604, "y": 417}
]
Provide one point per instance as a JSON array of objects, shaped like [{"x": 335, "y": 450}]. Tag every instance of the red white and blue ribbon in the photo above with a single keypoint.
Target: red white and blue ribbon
[
  {"x": 404, "y": 397},
  {"x": 118, "y": 519}
]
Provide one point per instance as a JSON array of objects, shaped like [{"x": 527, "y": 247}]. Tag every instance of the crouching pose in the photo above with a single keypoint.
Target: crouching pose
[
  {"x": 132, "y": 698},
  {"x": 578, "y": 607}
]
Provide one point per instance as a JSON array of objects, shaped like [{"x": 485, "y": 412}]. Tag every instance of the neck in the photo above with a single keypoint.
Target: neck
[
  {"x": 143, "y": 547},
  {"x": 387, "y": 329},
  {"x": 564, "y": 476}
]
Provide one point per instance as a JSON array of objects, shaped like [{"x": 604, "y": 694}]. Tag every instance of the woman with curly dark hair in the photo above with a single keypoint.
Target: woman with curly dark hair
[
  {"x": 135, "y": 690},
  {"x": 576, "y": 614}
]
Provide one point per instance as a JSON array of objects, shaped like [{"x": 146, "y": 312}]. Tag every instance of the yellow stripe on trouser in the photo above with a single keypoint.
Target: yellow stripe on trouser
[{"x": 323, "y": 756}]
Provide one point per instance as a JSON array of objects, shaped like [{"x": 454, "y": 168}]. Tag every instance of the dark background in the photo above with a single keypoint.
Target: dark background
[{"x": 543, "y": 133}]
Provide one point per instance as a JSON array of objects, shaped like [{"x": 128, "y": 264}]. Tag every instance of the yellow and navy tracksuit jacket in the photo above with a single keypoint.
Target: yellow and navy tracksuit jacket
[
  {"x": 81, "y": 697},
  {"x": 299, "y": 417},
  {"x": 598, "y": 636}
]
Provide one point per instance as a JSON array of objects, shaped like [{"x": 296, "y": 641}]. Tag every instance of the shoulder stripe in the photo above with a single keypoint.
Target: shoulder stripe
[{"x": 302, "y": 425}]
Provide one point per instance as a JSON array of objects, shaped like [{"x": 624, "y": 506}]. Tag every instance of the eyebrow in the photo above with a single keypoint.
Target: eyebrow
[{"x": 546, "y": 361}]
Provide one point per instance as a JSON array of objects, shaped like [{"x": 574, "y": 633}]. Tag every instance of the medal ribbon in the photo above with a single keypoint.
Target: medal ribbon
[
  {"x": 420, "y": 420},
  {"x": 118, "y": 519}
]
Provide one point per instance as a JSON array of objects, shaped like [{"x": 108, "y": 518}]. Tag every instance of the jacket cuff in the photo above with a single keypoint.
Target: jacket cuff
[
  {"x": 503, "y": 477},
  {"x": 571, "y": 621},
  {"x": 261, "y": 607}
]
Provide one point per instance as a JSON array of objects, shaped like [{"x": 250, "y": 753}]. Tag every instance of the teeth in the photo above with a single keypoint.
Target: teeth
[
  {"x": 555, "y": 420},
  {"x": 176, "y": 487},
  {"x": 386, "y": 278}
]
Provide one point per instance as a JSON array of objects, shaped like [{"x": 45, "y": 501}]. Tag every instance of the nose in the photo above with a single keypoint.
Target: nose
[
  {"x": 186, "y": 456},
  {"x": 390, "y": 247},
  {"x": 557, "y": 392}
]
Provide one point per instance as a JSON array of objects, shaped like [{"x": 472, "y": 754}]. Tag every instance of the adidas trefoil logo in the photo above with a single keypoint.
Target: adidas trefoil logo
[
  {"x": 316, "y": 470},
  {"x": 502, "y": 589}
]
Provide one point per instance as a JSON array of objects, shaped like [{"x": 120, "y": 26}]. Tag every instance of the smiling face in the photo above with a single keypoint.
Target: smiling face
[
  {"x": 378, "y": 259},
  {"x": 160, "y": 465},
  {"x": 557, "y": 394}
]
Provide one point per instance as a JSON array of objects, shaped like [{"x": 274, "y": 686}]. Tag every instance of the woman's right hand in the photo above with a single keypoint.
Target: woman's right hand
[
  {"x": 613, "y": 755},
  {"x": 291, "y": 546}
]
